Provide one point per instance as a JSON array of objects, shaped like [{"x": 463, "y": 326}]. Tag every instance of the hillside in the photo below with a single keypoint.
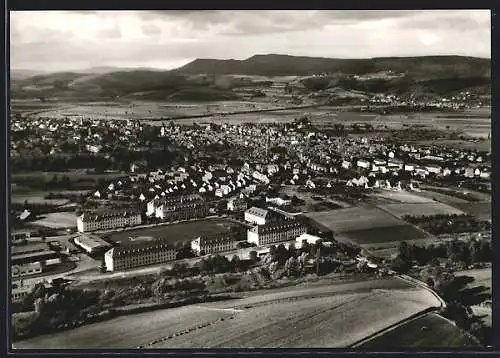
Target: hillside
[
  {"x": 427, "y": 67},
  {"x": 215, "y": 80}
]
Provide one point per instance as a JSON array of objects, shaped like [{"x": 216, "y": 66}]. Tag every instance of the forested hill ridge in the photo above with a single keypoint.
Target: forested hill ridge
[
  {"x": 426, "y": 67},
  {"x": 216, "y": 80}
]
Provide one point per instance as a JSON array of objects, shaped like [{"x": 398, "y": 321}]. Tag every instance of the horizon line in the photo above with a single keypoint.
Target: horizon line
[{"x": 232, "y": 59}]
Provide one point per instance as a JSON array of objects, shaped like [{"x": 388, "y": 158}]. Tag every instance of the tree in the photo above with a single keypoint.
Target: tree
[
  {"x": 236, "y": 263},
  {"x": 399, "y": 265},
  {"x": 281, "y": 254},
  {"x": 273, "y": 252},
  {"x": 253, "y": 256},
  {"x": 291, "y": 266},
  {"x": 485, "y": 251},
  {"x": 205, "y": 265},
  {"x": 306, "y": 246},
  {"x": 220, "y": 264},
  {"x": 292, "y": 251},
  {"x": 453, "y": 251},
  {"x": 404, "y": 251}
]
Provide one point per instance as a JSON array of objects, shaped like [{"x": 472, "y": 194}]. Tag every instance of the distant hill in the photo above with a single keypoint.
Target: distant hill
[
  {"x": 214, "y": 80},
  {"x": 427, "y": 67},
  {"x": 21, "y": 74}
]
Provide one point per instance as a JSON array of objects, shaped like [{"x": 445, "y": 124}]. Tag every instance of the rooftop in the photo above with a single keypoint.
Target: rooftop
[
  {"x": 30, "y": 248},
  {"x": 91, "y": 241},
  {"x": 258, "y": 212},
  {"x": 262, "y": 229},
  {"x": 140, "y": 246},
  {"x": 99, "y": 215}
]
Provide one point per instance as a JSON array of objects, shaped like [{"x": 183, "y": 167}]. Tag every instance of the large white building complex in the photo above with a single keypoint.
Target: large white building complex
[
  {"x": 257, "y": 216},
  {"x": 275, "y": 232},
  {"x": 213, "y": 244},
  {"x": 178, "y": 208},
  {"x": 107, "y": 220},
  {"x": 139, "y": 253}
]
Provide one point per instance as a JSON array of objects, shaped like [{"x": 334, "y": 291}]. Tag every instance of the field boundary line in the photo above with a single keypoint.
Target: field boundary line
[
  {"x": 393, "y": 327},
  {"x": 410, "y": 318},
  {"x": 427, "y": 234},
  {"x": 425, "y": 287}
]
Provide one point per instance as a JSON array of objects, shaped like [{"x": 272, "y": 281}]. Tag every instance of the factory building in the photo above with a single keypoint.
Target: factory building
[{"x": 32, "y": 259}]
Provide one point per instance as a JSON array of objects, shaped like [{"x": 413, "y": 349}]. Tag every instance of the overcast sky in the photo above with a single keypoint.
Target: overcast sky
[{"x": 61, "y": 40}]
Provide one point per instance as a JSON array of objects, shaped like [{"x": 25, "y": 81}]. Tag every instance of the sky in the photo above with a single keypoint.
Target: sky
[{"x": 62, "y": 40}]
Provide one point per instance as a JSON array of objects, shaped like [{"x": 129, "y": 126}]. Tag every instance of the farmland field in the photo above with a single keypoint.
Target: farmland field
[
  {"x": 440, "y": 333},
  {"x": 481, "y": 210},
  {"x": 425, "y": 209},
  {"x": 479, "y": 125},
  {"x": 177, "y": 232},
  {"x": 57, "y": 220},
  {"x": 464, "y": 194},
  {"x": 147, "y": 110},
  {"x": 401, "y": 196},
  {"x": 73, "y": 175},
  {"x": 20, "y": 194},
  {"x": 356, "y": 218},
  {"x": 442, "y": 198},
  {"x": 381, "y": 235},
  {"x": 291, "y": 317},
  {"x": 483, "y": 145},
  {"x": 36, "y": 198}
]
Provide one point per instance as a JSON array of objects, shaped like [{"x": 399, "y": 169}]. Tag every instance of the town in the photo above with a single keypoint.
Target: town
[
  {"x": 260, "y": 181},
  {"x": 250, "y": 179}
]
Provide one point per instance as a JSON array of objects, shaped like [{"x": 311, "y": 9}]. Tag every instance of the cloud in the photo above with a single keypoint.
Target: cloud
[
  {"x": 113, "y": 32},
  {"x": 150, "y": 29},
  {"x": 59, "y": 40}
]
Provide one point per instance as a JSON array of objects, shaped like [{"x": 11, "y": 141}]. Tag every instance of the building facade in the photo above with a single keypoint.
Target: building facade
[
  {"x": 256, "y": 215},
  {"x": 275, "y": 233},
  {"x": 211, "y": 245},
  {"x": 138, "y": 254},
  {"x": 26, "y": 269},
  {"x": 107, "y": 220},
  {"x": 178, "y": 208},
  {"x": 32, "y": 259}
]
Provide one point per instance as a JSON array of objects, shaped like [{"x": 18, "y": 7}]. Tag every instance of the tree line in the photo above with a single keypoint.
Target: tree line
[{"x": 448, "y": 224}]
